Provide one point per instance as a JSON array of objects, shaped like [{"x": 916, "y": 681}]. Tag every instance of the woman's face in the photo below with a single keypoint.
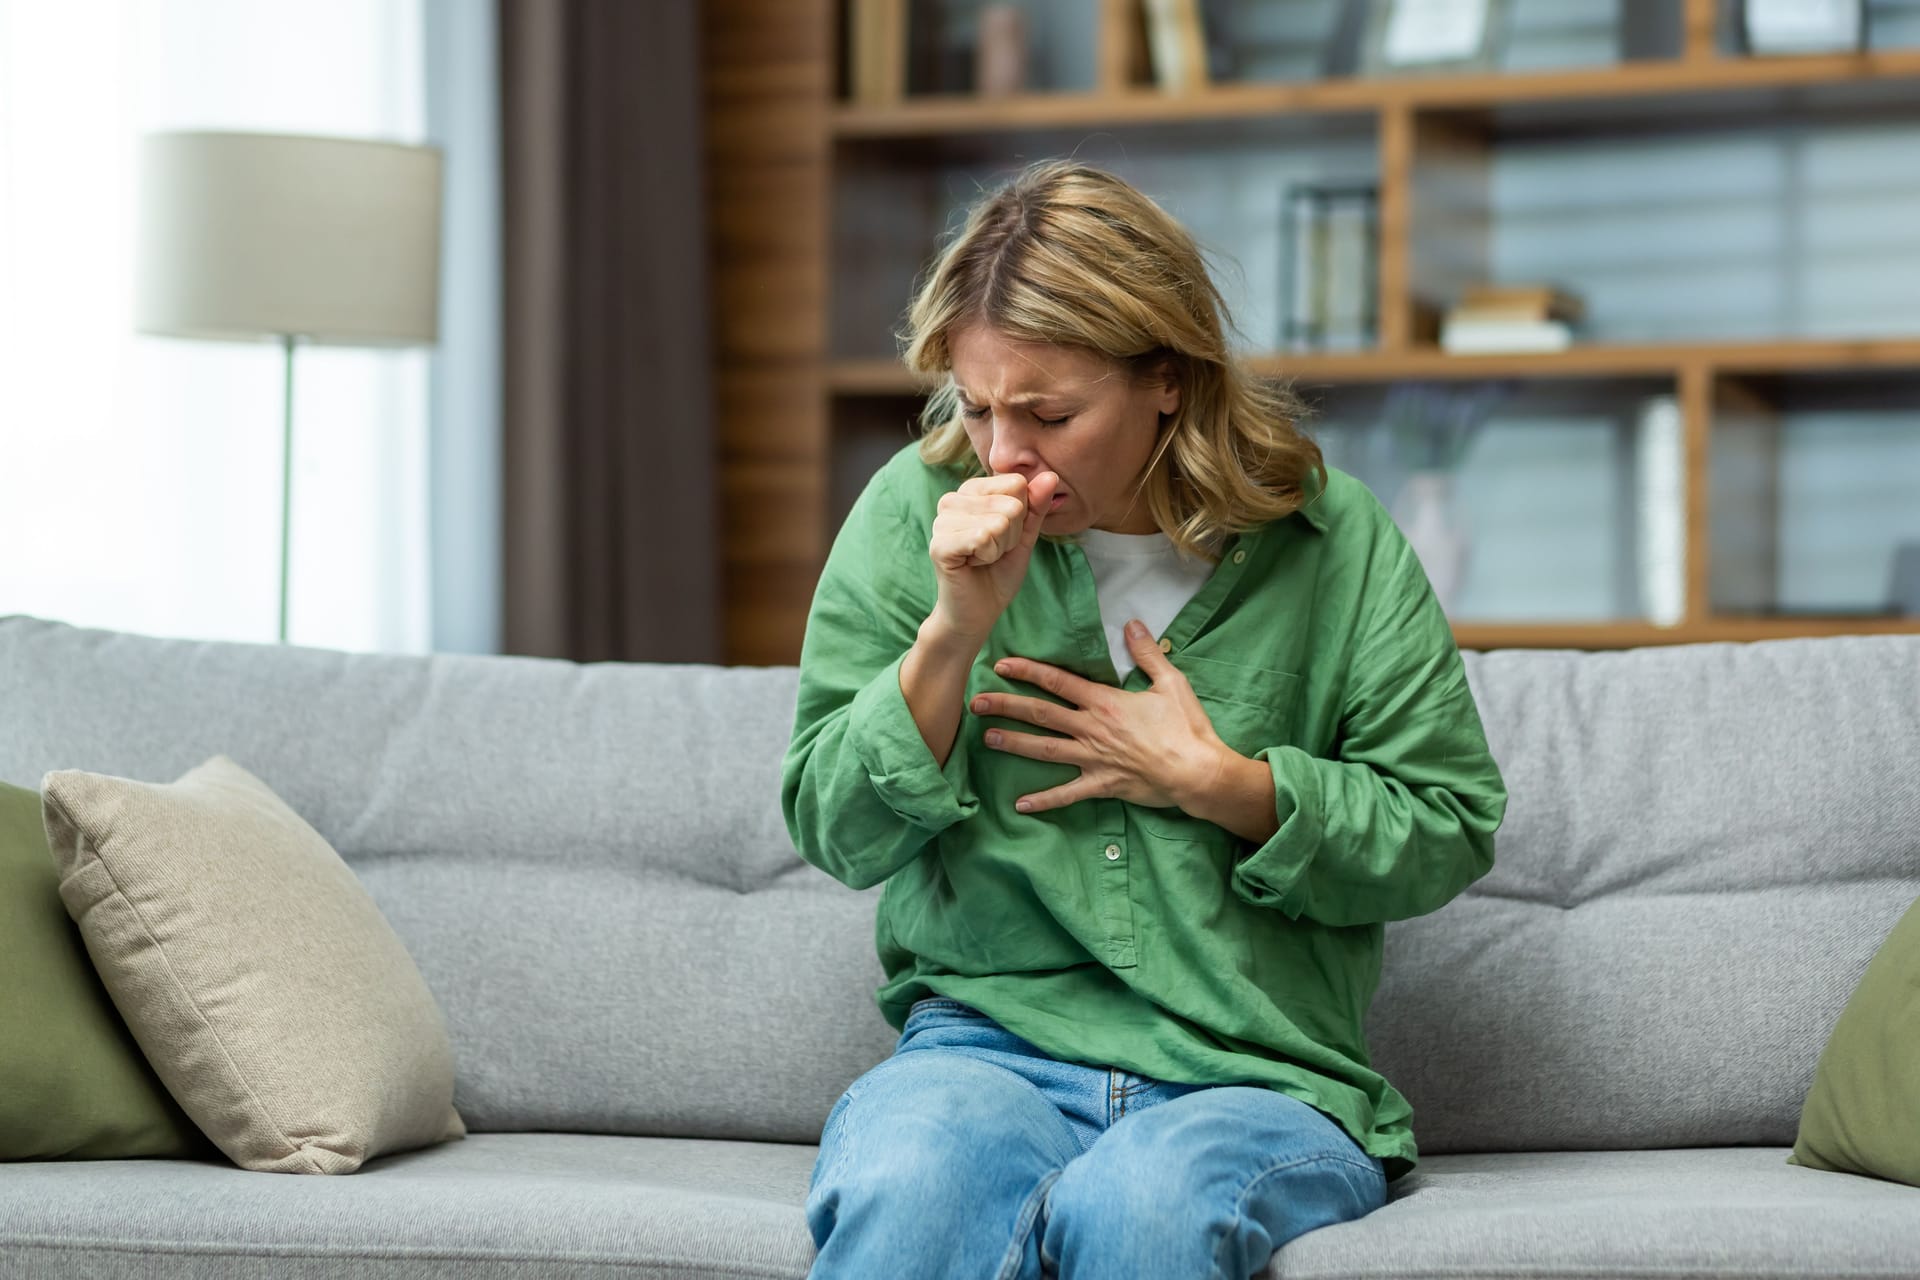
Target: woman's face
[{"x": 1034, "y": 406}]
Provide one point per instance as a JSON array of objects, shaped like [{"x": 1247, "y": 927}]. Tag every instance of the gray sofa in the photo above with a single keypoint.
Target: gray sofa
[{"x": 654, "y": 1003}]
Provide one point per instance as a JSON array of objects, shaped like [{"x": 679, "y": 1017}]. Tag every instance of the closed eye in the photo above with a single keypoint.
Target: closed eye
[{"x": 973, "y": 413}]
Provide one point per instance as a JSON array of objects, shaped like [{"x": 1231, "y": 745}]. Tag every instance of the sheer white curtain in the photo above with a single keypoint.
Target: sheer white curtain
[{"x": 140, "y": 476}]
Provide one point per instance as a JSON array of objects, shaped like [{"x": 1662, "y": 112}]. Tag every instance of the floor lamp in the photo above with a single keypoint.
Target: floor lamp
[{"x": 250, "y": 236}]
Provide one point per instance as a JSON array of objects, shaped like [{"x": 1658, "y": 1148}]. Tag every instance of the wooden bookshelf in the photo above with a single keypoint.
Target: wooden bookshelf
[{"x": 789, "y": 139}]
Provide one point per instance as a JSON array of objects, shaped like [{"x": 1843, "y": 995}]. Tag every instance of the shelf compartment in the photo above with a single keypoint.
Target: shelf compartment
[
  {"x": 1544, "y": 493},
  {"x": 890, "y": 216},
  {"x": 1814, "y": 485}
]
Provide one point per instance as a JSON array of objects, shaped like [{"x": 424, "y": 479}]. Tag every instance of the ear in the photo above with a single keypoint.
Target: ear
[{"x": 1167, "y": 392}]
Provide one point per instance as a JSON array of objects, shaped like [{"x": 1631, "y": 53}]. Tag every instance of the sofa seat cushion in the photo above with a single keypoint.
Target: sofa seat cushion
[
  {"x": 1682, "y": 1213},
  {"x": 592, "y": 1207},
  {"x": 495, "y": 1205}
]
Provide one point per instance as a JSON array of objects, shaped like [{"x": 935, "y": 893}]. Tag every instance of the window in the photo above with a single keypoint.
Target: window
[{"x": 140, "y": 476}]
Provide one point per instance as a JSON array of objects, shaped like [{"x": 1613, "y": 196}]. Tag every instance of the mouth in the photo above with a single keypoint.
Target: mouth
[{"x": 1059, "y": 500}]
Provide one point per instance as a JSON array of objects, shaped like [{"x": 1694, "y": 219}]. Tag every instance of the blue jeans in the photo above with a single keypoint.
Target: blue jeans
[{"x": 970, "y": 1153}]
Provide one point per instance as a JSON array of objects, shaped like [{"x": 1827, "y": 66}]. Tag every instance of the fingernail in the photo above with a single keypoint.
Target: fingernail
[
  {"x": 993, "y": 739},
  {"x": 1023, "y": 806},
  {"x": 980, "y": 705}
]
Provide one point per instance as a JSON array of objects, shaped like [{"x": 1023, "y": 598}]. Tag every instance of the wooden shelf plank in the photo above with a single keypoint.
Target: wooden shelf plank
[
  {"x": 879, "y": 377},
  {"x": 1634, "y": 635},
  {"x": 874, "y": 377},
  {"x": 955, "y": 114}
]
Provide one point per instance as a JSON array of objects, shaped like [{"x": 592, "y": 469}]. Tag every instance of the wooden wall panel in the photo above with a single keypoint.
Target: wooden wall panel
[{"x": 769, "y": 68}]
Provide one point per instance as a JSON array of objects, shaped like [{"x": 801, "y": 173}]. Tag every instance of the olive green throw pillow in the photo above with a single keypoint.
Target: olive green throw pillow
[
  {"x": 1862, "y": 1114},
  {"x": 73, "y": 1084}
]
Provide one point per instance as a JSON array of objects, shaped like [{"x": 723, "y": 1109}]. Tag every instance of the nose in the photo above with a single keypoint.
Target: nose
[{"x": 1011, "y": 449}]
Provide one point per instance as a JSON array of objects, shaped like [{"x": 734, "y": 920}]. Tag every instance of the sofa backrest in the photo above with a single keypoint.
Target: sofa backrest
[
  {"x": 587, "y": 862},
  {"x": 1703, "y": 847}
]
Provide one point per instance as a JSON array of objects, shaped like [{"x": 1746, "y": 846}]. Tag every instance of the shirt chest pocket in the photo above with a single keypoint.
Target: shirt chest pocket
[{"x": 1251, "y": 707}]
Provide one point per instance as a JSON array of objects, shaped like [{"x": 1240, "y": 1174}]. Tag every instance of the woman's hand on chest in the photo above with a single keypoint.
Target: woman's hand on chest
[{"x": 1155, "y": 748}]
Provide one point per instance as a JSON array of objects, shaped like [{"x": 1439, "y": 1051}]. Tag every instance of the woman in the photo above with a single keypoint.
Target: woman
[{"x": 1148, "y": 722}]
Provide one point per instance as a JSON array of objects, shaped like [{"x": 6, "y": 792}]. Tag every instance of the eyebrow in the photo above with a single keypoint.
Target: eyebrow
[{"x": 1025, "y": 397}]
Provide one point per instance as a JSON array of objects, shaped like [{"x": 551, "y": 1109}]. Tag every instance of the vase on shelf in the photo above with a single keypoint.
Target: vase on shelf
[{"x": 1425, "y": 512}]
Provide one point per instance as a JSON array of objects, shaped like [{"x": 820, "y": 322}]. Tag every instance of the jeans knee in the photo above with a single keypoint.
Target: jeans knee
[
  {"x": 926, "y": 1149},
  {"x": 1139, "y": 1196},
  {"x": 1167, "y": 1197}
]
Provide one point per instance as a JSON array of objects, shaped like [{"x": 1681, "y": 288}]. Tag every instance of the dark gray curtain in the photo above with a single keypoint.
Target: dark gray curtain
[{"x": 610, "y": 510}]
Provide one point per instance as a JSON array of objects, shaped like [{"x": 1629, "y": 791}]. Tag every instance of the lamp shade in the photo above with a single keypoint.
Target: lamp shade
[{"x": 250, "y": 235}]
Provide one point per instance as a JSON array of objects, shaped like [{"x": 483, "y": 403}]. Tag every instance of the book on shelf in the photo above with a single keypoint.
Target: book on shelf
[
  {"x": 1660, "y": 511},
  {"x": 1490, "y": 337},
  {"x": 1803, "y": 26},
  {"x": 1519, "y": 318},
  {"x": 876, "y": 53},
  {"x": 1520, "y": 302},
  {"x": 1330, "y": 253},
  {"x": 1177, "y": 44}
]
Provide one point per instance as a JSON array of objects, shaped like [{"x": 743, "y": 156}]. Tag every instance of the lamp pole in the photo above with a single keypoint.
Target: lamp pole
[{"x": 286, "y": 478}]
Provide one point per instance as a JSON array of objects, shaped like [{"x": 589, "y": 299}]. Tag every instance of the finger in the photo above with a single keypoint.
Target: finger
[
  {"x": 1009, "y": 485},
  {"x": 1048, "y": 715},
  {"x": 968, "y": 544},
  {"x": 1058, "y": 797},
  {"x": 956, "y": 503},
  {"x": 1146, "y": 651},
  {"x": 1079, "y": 692},
  {"x": 1039, "y": 498},
  {"x": 1037, "y": 747}
]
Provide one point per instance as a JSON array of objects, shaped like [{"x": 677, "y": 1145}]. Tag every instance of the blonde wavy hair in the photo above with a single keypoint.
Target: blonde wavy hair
[{"x": 1069, "y": 254}]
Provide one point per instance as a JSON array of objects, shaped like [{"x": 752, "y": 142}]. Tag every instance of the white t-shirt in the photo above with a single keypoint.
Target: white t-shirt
[{"x": 1139, "y": 575}]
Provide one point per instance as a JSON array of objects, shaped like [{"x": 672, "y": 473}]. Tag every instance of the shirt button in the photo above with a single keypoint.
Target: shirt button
[
  {"x": 1113, "y": 853},
  {"x": 1166, "y": 646},
  {"x": 1239, "y": 557}
]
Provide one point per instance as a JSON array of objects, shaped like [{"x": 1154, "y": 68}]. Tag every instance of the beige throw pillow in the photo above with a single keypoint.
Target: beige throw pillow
[{"x": 256, "y": 973}]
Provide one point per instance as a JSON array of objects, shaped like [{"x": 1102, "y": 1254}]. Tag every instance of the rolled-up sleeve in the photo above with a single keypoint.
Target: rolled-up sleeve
[
  {"x": 1402, "y": 817},
  {"x": 860, "y": 790}
]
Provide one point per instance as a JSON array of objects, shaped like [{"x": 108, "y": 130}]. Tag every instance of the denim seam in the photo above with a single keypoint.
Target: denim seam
[
  {"x": 842, "y": 1147},
  {"x": 1023, "y": 1227},
  {"x": 1240, "y": 1202}
]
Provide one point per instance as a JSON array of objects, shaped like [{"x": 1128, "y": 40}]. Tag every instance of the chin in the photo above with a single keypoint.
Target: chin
[{"x": 1064, "y": 524}]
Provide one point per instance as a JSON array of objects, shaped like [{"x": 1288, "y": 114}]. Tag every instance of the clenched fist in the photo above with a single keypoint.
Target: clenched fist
[{"x": 983, "y": 536}]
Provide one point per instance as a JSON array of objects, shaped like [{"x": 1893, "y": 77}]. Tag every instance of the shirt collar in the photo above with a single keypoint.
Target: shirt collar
[{"x": 1314, "y": 509}]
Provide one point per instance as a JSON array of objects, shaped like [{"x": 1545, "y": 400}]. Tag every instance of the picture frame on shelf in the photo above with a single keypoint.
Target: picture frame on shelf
[
  {"x": 1429, "y": 37},
  {"x": 1787, "y": 27},
  {"x": 1329, "y": 267}
]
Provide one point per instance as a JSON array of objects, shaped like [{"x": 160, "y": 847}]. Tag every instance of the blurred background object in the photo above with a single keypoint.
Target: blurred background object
[{"x": 323, "y": 240}]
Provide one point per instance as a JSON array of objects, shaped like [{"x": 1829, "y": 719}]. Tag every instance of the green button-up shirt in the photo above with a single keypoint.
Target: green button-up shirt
[{"x": 1115, "y": 934}]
